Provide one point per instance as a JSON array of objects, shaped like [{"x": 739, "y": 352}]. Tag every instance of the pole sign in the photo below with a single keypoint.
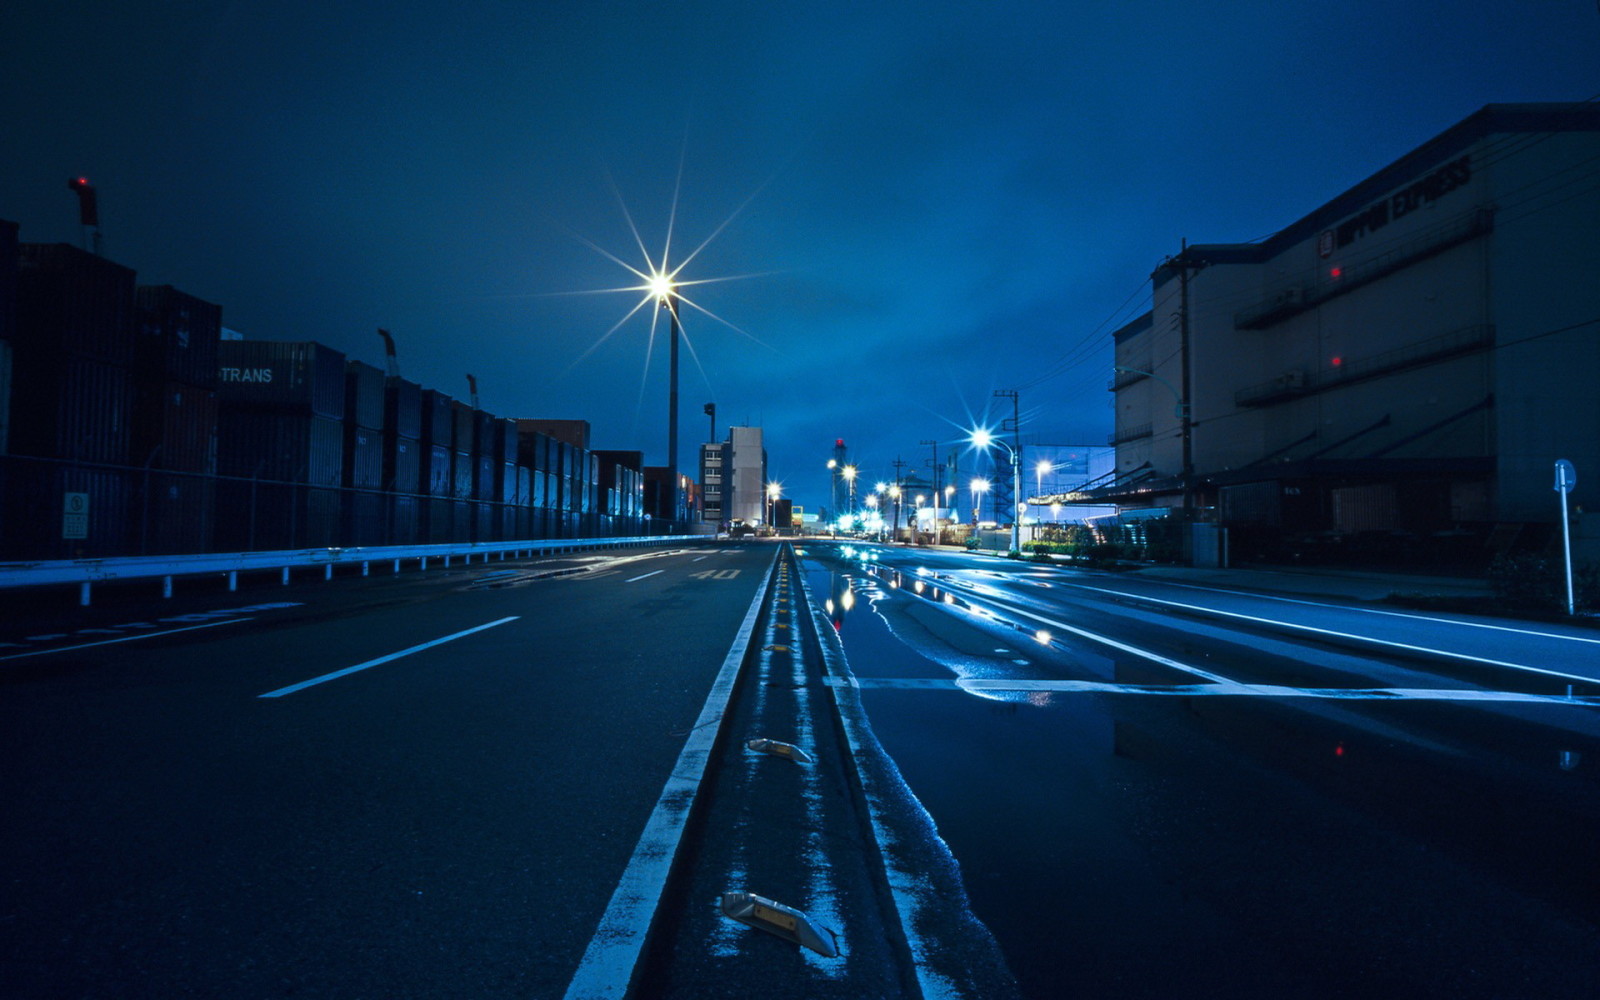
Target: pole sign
[
  {"x": 1566, "y": 476},
  {"x": 75, "y": 516}
]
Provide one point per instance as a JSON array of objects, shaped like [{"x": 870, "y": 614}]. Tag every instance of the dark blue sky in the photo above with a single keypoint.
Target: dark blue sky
[{"x": 921, "y": 202}]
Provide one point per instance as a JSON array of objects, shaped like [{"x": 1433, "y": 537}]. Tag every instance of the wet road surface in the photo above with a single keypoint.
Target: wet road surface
[{"x": 1155, "y": 790}]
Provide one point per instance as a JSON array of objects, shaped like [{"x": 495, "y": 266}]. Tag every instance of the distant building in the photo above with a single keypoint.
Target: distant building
[
  {"x": 1057, "y": 477},
  {"x": 1411, "y": 357},
  {"x": 733, "y": 477}
]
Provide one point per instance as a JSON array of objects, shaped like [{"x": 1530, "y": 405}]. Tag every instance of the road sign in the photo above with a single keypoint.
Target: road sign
[
  {"x": 75, "y": 516},
  {"x": 1566, "y": 476}
]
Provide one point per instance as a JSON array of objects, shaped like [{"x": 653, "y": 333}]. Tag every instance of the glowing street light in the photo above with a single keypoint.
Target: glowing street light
[
  {"x": 979, "y": 487},
  {"x": 850, "y": 477},
  {"x": 981, "y": 438},
  {"x": 774, "y": 490}
]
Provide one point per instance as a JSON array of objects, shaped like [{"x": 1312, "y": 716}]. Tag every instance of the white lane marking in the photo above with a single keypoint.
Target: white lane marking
[
  {"x": 335, "y": 675},
  {"x": 697, "y": 558},
  {"x": 1350, "y": 635},
  {"x": 645, "y": 576},
  {"x": 1106, "y": 640},
  {"x": 1366, "y": 611},
  {"x": 608, "y": 962},
  {"x": 129, "y": 638},
  {"x": 1190, "y": 690}
]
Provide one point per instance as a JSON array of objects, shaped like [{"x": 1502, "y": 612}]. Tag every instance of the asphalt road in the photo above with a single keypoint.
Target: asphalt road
[
  {"x": 416, "y": 786},
  {"x": 1158, "y": 790}
]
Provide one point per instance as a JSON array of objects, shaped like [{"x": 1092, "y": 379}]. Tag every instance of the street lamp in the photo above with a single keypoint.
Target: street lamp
[
  {"x": 894, "y": 493},
  {"x": 665, "y": 291},
  {"x": 980, "y": 486},
  {"x": 850, "y": 477},
  {"x": 983, "y": 439},
  {"x": 773, "y": 490}
]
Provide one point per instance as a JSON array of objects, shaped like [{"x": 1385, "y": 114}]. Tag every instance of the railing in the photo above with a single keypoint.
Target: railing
[
  {"x": 1123, "y": 435},
  {"x": 87, "y": 572}
]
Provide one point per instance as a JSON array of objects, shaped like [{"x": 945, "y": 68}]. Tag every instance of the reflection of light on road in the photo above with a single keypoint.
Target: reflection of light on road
[{"x": 1042, "y": 637}]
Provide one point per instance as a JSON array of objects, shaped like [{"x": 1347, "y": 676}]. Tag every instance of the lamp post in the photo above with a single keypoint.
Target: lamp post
[
  {"x": 773, "y": 491},
  {"x": 980, "y": 486},
  {"x": 850, "y": 477},
  {"x": 662, "y": 286},
  {"x": 983, "y": 439}
]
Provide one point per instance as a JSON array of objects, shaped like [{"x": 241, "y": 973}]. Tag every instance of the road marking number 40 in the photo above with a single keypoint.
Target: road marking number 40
[{"x": 715, "y": 574}]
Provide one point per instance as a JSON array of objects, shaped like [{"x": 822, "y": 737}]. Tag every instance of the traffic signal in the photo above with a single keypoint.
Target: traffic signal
[{"x": 88, "y": 213}]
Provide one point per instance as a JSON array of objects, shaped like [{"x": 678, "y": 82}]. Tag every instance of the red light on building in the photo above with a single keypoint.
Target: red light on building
[
  {"x": 1336, "y": 273},
  {"x": 1337, "y": 361}
]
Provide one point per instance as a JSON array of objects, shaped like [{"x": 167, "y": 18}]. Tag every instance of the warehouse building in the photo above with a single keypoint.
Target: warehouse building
[{"x": 1402, "y": 366}]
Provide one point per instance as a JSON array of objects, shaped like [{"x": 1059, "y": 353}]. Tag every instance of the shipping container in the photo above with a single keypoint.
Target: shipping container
[
  {"x": 462, "y": 427},
  {"x": 364, "y": 395},
  {"x": 438, "y": 419},
  {"x": 402, "y": 408},
  {"x": 437, "y": 475},
  {"x": 524, "y": 486},
  {"x": 402, "y": 464},
  {"x": 70, "y": 407},
  {"x": 533, "y": 448},
  {"x": 508, "y": 442},
  {"x": 440, "y": 520},
  {"x": 363, "y": 458},
  {"x": 176, "y": 336},
  {"x": 461, "y": 514},
  {"x": 405, "y": 520},
  {"x": 365, "y": 521},
  {"x": 280, "y": 447},
  {"x": 271, "y": 516},
  {"x": 303, "y": 377},
  {"x": 485, "y": 434},
  {"x": 509, "y": 492},
  {"x": 53, "y": 511},
  {"x": 174, "y": 426},
  {"x": 485, "y": 520},
  {"x": 484, "y": 485},
  {"x": 461, "y": 475},
  {"x": 172, "y": 514},
  {"x": 72, "y": 302}
]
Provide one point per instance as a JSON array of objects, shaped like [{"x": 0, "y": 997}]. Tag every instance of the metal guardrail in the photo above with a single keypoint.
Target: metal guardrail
[{"x": 87, "y": 572}]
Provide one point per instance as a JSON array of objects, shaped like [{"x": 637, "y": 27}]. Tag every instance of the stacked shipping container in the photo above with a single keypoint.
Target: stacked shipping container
[
  {"x": 71, "y": 406},
  {"x": 175, "y": 419},
  {"x": 403, "y": 459},
  {"x": 280, "y": 444},
  {"x": 122, "y": 404},
  {"x": 365, "y": 511}
]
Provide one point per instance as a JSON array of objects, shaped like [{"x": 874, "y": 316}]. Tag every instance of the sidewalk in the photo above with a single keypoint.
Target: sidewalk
[
  {"x": 1349, "y": 584},
  {"x": 1308, "y": 581}
]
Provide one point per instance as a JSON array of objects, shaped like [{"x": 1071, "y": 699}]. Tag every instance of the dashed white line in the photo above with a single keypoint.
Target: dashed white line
[
  {"x": 644, "y": 576},
  {"x": 129, "y": 638},
  {"x": 292, "y": 688},
  {"x": 1347, "y": 635}
]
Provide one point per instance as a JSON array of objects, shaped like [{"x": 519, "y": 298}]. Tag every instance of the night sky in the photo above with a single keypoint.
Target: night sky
[{"x": 914, "y": 204}]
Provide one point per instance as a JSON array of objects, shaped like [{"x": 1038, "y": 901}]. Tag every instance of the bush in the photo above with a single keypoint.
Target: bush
[{"x": 1528, "y": 581}]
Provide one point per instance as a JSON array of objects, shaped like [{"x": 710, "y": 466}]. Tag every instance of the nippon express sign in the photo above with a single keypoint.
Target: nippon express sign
[{"x": 1374, "y": 217}]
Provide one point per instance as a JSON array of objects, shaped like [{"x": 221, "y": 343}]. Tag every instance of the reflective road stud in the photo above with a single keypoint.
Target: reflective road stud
[{"x": 775, "y": 918}]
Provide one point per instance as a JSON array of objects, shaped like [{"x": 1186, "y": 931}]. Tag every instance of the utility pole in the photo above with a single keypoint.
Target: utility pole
[
  {"x": 898, "y": 465},
  {"x": 1017, "y": 506},
  {"x": 935, "y": 466},
  {"x": 1184, "y": 264}
]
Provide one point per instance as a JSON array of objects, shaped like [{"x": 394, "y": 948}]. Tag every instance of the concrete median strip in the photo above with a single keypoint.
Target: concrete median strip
[{"x": 608, "y": 963}]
